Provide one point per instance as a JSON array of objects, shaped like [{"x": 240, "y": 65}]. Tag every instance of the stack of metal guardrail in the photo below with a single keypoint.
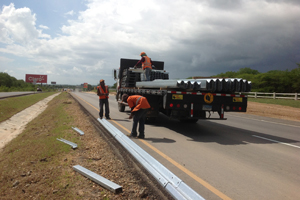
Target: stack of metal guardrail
[{"x": 205, "y": 85}]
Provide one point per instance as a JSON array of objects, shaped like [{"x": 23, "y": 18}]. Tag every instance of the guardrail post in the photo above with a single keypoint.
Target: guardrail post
[
  {"x": 274, "y": 95},
  {"x": 255, "y": 95},
  {"x": 296, "y": 96}
]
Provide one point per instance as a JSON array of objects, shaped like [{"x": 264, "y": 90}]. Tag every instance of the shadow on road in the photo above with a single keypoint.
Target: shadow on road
[{"x": 209, "y": 131}]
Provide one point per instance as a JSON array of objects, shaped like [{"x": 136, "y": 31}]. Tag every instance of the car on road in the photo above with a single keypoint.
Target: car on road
[{"x": 39, "y": 89}]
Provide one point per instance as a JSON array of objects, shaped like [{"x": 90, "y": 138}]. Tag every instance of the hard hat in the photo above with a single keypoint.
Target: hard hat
[
  {"x": 101, "y": 80},
  {"x": 143, "y": 54}
]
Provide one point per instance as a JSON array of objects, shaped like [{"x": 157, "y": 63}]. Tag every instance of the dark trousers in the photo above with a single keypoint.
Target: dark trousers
[
  {"x": 147, "y": 72},
  {"x": 105, "y": 102},
  {"x": 139, "y": 118}
]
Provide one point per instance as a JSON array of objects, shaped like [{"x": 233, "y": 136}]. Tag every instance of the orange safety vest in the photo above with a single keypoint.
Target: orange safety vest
[
  {"x": 146, "y": 63},
  {"x": 138, "y": 101},
  {"x": 103, "y": 92}
]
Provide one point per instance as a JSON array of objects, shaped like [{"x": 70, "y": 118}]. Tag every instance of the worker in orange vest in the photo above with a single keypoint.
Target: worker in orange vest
[
  {"x": 139, "y": 106},
  {"x": 103, "y": 92},
  {"x": 146, "y": 63}
]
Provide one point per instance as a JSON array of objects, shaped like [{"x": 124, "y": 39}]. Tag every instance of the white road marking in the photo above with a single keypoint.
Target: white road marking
[
  {"x": 276, "y": 141},
  {"x": 265, "y": 121}
]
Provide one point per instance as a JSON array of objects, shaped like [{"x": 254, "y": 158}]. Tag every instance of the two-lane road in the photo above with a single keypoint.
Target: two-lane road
[{"x": 244, "y": 157}]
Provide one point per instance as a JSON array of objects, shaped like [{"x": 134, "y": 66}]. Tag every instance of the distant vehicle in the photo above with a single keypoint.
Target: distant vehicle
[{"x": 39, "y": 89}]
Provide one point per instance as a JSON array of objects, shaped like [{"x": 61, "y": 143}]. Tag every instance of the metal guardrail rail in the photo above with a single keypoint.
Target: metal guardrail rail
[
  {"x": 98, "y": 179},
  {"x": 78, "y": 130},
  {"x": 175, "y": 186},
  {"x": 73, "y": 145}
]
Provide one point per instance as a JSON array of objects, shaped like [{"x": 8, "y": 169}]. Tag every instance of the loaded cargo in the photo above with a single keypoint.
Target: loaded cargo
[{"x": 185, "y": 99}]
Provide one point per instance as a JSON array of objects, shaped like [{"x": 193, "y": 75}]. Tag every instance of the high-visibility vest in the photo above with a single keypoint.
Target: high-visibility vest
[
  {"x": 138, "y": 101},
  {"x": 146, "y": 63},
  {"x": 103, "y": 92}
]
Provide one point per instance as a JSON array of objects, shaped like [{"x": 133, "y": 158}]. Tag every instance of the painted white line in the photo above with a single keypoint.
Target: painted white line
[
  {"x": 276, "y": 141},
  {"x": 265, "y": 121}
]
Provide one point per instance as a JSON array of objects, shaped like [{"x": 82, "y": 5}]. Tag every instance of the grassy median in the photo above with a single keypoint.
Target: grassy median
[
  {"x": 13, "y": 105},
  {"x": 35, "y": 163}
]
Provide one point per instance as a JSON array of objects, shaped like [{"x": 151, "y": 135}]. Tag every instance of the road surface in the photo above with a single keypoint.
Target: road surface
[
  {"x": 244, "y": 157},
  {"x": 13, "y": 94}
]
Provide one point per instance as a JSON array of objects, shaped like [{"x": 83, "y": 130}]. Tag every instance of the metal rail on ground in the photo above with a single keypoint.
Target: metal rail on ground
[
  {"x": 78, "y": 130},
  {"x": 98, "y": 179},
  {"x": 175, "y": 186},
  {"x": 73, "y": 145}
]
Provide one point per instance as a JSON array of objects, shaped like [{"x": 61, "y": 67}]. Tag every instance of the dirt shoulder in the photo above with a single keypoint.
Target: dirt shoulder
[{"x": 274, "y": 111}]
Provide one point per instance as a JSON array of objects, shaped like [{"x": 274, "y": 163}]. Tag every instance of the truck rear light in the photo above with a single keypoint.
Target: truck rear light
[
  {"x": 240, "y": 108},
  {"x": 185, "y": 106},
  {"x": 233, "y": 108},
  {"x": 171, "y": 105},
  {"x": 178, "y": 105},
  {"x": 227, "y": 107}
]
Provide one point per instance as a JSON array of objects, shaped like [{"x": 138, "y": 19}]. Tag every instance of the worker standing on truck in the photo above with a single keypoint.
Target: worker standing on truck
[
  {"x": 139, "y": 106},
  {"x": 103, "y": 92},
  {"x": 146, "y": 65}
]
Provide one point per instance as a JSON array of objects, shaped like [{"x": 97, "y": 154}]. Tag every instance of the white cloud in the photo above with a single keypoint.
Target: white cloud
[
  {"x": 44, "y": 27},
  {"x": 70, "y": 13},
  {"x": 5, "y": 59},
  {"x": 192, "y": 37}
]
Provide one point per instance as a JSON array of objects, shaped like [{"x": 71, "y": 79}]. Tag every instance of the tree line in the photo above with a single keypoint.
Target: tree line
[
  {"x": 271, "y": 81},
  {"x": 9, "y": 83}
]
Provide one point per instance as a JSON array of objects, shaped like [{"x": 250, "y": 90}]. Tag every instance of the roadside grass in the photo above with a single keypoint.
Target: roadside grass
[
  {"x": 282, "y": 102},
  {"x": 35, "y": 162},
  {"x": 13, "y": 105}
]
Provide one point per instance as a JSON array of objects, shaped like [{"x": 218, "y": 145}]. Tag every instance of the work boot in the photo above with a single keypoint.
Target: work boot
[
  {"x": 108, "y": 117},
  {"x": 130, "y": 135},
  {"x": 141, "y": 136}
]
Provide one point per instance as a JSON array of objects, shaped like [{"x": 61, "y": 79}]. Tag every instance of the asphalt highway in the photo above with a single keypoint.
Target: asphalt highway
[
  {"x": 243, "y": 157},
  {"x": 13, "y": 94}
]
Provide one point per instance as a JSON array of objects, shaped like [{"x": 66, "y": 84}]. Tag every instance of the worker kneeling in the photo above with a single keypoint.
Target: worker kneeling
[{"x": 139, "y": 106}]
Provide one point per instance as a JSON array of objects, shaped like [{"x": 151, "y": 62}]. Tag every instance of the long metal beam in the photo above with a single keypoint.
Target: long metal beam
[
  {"x": 175, "y": 186},
  {"x": 98, "y": 179}
]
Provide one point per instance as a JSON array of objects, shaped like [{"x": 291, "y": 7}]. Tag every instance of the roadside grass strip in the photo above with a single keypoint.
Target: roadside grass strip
[
  {"x": 35, "y": 159},
  {"x": 13, "y": 105}
]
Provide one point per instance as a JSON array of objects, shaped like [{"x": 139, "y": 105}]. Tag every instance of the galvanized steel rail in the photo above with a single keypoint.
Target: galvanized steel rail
[
  {"x": 98, "y": 179},
  {"x": 78, "y": 130},
  {"x": 73, "y": 145},
  {"x": 175, "y": 186}
]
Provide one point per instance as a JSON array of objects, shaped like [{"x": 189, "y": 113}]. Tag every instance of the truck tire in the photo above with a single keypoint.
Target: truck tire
[
  {"x": 188, "y": 120},
  {"x": 121, "y": 107}
]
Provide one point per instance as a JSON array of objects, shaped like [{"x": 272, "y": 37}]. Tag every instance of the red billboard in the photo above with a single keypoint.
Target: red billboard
[
  {"x": 35, "y": 78},
  {"x": 85, "y": 85}
]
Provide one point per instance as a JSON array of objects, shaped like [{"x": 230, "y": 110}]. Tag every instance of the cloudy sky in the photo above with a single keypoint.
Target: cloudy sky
[{"x": 77, "y": 41}]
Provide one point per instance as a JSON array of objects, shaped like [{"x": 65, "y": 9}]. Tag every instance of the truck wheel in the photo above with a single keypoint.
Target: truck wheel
[
  {"x": 121, "y": 107},
  {"x": 188, "y": 120}
]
